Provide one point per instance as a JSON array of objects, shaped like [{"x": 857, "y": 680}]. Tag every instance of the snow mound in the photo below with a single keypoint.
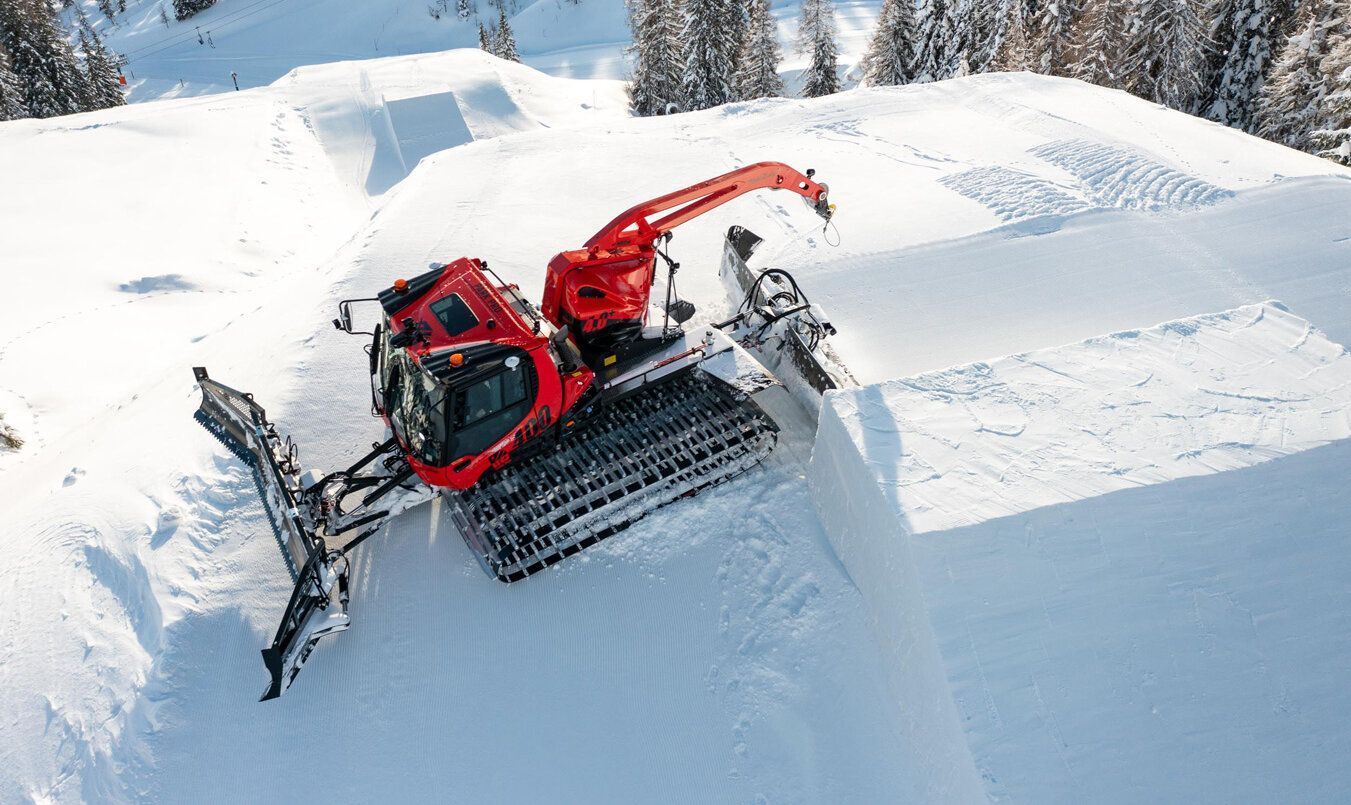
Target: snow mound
[
  {"x": 378, "y": 119},
  {"x": 1113, "y": 532},
  {"x": 1190, "y": 397}
]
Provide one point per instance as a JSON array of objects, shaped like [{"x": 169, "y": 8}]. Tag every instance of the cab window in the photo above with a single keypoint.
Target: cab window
[{"x": 489, "y": 409}]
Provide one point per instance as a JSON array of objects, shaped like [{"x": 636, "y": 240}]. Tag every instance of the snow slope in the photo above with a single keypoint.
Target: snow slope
[
  {"x": 717, "y": 651},
  {"x": 1129, "y": 553}
]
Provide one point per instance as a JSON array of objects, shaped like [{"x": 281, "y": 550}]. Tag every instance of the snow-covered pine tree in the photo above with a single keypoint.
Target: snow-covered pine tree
[
  {"x": 1290, "y": 106},
  {"x": 1100, "y": 34},
  {"x": 987, "y": 23},
  {"x": 12, "y": 106},
  {"x": 102, "y": 86},
  {"x": 485, "y": 39},
  {"x": 1244, "y": 34},
  {"x": 1333, "y": 137},
  {"x": 106, "y": 6},
  {"x": 506, "y": 40},
  {"x": 740, "y": 31},
  {"x": 1165, "y": 53},
  {"x": 658, "y": 64},
  {"x": 1014, "y": 53},
  {"x": 163, "y": 16},
  {"x": 890, "y": 59},
  {"x": 710, "y": 46},
  {"x": 42, "y": 59},
  {"x": 1051, "y": 43},
  {"x": 941, "y": 45},
  {"x": 464, "y": 9},
  {"x": 816, "y": 40},
  {"x": 184, "y": 9},
  {"x": 757, "y": 73}
]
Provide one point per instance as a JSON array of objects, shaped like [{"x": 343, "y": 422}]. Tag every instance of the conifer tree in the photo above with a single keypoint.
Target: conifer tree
[
  {"x": 1165, "y": 54},
  {"x": 1051, "y": 42},
  {"x": 1333, "y": 137},
  {"x": 758, "y": 68},
  {"x": 890, "y": 59},
  {"x": 42, "y": 59},
  {"x": 941, "y": 44},
  {"x": 1245, "y": 35},
  {"x": 106, "y": 7},
  {"x": 816, "y": 39},
  {"x": 1290, "y": 107},
  {"x": 103, "y": 88},
  {"x": 12, "y": 106},
  {"x": 711, "y": 49},
  {"x": 184, "y": 9},
  {"x": 506, "y": 40},
  {"x": 1101, "y": 34},
  {"x": 485, "y": 39},
  {"x": 987, "y": 23},
  {"x": 658, "y": 64},
  {"x": 463, "y": 9},
  {"x": 1014, "y": 53}
]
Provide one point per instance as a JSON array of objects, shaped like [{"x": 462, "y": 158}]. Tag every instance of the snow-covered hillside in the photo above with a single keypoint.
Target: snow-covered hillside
[
  {"x": 731, "y": 647},
  {"x": 261, "y": 40}
]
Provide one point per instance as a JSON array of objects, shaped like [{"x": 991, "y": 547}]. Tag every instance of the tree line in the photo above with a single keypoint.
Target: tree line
[
  {"x": 1280, "y": 69},
  {"x": 42, "y": 74}
]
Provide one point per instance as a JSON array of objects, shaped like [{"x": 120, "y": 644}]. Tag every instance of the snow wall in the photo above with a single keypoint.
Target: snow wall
[{"x": 1112, "y": 570}]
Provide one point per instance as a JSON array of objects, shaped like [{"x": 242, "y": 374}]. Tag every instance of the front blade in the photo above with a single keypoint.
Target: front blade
[
  {"x": 241, "y": 424},
  {"x": 318, "y": 608},
  {"x": 318, "y": 603}
]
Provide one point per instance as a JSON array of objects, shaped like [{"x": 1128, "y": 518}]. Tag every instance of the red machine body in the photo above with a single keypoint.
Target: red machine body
[
  {"x": 467, "y": 331},
  {"x": 600, "y": 291},
  {"x": 446, "y": 369}
]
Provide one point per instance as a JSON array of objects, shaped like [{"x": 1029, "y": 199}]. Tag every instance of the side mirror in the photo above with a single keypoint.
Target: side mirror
[{"x": 344, "y": 320}]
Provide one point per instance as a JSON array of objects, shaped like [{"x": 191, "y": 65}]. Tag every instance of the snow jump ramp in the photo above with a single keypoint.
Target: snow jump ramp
[{"x": 1086, "y": 564}]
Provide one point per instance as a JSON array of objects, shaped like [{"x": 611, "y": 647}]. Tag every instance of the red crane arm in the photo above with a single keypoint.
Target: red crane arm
[{"x": 635, "y": 225}]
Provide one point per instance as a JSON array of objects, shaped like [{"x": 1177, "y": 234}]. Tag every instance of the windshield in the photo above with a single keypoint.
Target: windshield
[{"x": 418, "y": 410}]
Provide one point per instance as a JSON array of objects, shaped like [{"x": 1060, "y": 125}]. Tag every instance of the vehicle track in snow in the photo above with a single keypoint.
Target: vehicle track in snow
[
  {"x": 1126, "y": 178},
  {"x": 1014, "y": 195}
]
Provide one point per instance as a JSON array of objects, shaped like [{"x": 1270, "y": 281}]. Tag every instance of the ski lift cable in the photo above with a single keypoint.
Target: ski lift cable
[
  {"x": 188, "y": 35},
  {"x": 233, "y": 17}
]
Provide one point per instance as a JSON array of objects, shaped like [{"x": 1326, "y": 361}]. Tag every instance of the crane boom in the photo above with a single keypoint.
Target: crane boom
[
  {"x": 698, "y": 199},
  {"x": 600, "y": 291}
]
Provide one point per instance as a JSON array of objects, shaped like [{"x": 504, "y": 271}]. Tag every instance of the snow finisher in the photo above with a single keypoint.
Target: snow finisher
[{"x": 549, "y": 429}]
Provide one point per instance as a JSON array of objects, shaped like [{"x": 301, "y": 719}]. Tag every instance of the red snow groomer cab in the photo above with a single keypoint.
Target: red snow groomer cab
[{"x": 548, "y": 429}]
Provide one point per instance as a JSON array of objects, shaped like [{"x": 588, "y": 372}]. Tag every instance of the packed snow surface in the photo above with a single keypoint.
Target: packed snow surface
[
  {"x": 1206, "y": 394},
  {"x": 1113, "y": 569},
  {"x": 720, "y": 650}
]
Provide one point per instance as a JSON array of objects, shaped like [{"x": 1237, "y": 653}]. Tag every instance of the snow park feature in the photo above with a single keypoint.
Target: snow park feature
[
  {"x": 1115, "y": 532},
  {"x": 1110, "y": 591}
]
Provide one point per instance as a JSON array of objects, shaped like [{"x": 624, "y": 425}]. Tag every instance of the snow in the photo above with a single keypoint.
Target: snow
[
  {"x": 1109, "y": 569},
  {"x": 729, "y": 647},
  {"x": 1195, "y": 396}
]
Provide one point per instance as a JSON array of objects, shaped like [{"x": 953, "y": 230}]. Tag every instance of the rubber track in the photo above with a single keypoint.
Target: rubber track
[{"x": 643, "y": 453}]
